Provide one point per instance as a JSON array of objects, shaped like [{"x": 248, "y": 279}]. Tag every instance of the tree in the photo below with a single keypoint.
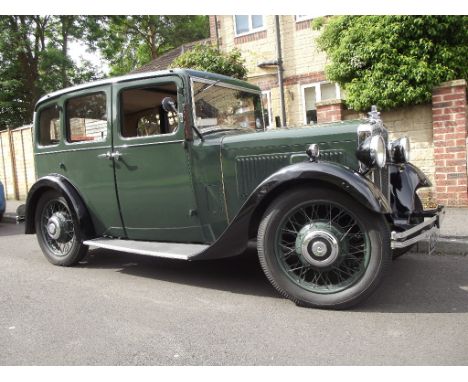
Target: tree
[
  {"x": 34, "y": 60},
  {"x": 392, "y": 61},
  {"x": 211, "y": 59},
  {"x": 129, "y": 42}
]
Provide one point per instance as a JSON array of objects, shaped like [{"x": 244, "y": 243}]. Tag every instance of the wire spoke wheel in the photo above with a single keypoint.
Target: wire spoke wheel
[
  {"x": 57, "y": 227},
  {"x": 322, "y": 247},
  {"x": 58, "y": 231}
]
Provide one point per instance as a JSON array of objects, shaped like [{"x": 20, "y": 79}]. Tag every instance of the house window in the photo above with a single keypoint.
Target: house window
[
  {"x": 245, "y": 24},
  {"x": 300, "y": 18},
  {"x": 267, "y": 111},
  {"x": 316, "y": 92}
]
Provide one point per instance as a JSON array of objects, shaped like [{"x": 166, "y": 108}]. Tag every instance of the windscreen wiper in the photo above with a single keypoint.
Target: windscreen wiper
[{"x": 206, "y": 87}]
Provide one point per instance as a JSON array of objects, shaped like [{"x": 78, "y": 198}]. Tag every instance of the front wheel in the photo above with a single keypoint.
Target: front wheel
[
  {"x": 58, "y": 231},
  {"x": 320, "y": 248}
]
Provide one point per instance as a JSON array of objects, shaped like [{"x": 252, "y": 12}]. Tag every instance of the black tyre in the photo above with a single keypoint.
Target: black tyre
[
  {"x": 320, "y": 248},
  {"x": 418, "y": 206},
  {"x": 58, "y": 231}
]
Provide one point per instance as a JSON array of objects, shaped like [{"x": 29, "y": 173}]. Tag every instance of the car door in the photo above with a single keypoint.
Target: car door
[
  {"x": 152, "y": 166},
  {"x": 78, "y": 152}
]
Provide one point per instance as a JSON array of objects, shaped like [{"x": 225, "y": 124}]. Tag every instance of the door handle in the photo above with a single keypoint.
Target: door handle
[
  {"x": 116, "y": 155},
  {"x": 105, "y": 155},
  {"x": 110, "y": 155}
]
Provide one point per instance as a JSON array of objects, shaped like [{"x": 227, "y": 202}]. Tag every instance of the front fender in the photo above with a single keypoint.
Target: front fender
[
  {"x": 68, "y": 191},
  {"x": 235, "y": 238},
  {"x": 405, "y": 180}
]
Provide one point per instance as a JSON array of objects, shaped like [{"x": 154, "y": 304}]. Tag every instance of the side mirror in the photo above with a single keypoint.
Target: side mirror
[{"x": 168, "y": 104}]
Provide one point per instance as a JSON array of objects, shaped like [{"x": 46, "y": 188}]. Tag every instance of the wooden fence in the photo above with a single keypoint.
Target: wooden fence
[{"x": 17, "y": 171}]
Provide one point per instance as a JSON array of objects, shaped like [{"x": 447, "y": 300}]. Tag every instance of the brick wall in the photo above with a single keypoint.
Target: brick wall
[
  {"x": 329, "y": 111},
  {"x": 450, "y": 125}
]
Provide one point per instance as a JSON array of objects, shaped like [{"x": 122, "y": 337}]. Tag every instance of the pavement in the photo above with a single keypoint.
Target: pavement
[
  {"x": 453, "y": 234},
  {"x": 121, "y": 309}
]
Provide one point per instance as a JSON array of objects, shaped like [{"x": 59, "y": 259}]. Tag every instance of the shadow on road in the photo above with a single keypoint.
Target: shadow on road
[
  {"x": 422, "y": 284},
  {"x": 11, "y": 229},
  {"x": 414, "y": 284},
  {"x": 241, "y": 274}
]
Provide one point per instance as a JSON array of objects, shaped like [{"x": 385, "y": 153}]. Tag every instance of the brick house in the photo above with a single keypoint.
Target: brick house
[
  {"x": 438, "y": 130},
  {"x": 303, "y": 64}
]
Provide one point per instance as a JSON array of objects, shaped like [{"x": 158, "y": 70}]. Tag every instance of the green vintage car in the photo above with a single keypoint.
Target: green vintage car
[{"x": 177, "y": 164}]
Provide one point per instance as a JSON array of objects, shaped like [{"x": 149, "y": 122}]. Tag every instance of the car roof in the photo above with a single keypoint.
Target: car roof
[{"x": 139, "y": 76}]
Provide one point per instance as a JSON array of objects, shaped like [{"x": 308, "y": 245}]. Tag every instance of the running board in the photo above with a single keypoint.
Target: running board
[{"x": 149, "y": 248}]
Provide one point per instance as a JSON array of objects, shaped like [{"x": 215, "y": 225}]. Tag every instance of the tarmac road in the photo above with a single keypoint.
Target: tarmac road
[{"x": 121, "y": 309}]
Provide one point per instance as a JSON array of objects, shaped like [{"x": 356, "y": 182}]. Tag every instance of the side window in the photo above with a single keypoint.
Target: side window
[
  {"x": 49, "y": 126},
  {"x": 142, "y": 114},
  {"x": 86, "y": 118}
]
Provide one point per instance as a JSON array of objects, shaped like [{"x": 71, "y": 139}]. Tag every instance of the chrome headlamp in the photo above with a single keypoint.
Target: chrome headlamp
[
  {"x": 400, "y": 150},
  {"x": 372, "y": 152}
]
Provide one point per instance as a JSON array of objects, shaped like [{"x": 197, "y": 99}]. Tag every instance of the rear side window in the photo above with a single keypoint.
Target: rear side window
[
  {"x": 87, "y": 118},
  {"x": 49, "y": 126}
]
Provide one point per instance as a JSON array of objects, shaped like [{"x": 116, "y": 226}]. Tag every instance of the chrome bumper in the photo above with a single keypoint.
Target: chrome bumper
[{"x": 428, "y": 229}]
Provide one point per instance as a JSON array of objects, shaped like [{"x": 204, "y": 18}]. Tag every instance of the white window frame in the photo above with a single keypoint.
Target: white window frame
[
  {"x": 251, "y": 29},
  {"x": 318, "y": 94},
  {"x": 300, "y": 18},
  {"x": 269, "y": 109}
]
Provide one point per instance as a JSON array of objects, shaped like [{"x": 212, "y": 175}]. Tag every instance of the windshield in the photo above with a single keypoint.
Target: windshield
[{"x": 220, "y": 108}]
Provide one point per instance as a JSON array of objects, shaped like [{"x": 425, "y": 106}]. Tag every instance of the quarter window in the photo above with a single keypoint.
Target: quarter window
[
  {"x": 87, "y": 118},
  {"x": 248, "y": 23},
  {"x": 49, "y": 126}
]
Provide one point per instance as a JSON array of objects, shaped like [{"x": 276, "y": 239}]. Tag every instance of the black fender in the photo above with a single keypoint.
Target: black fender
[
  {"x": 63, "y": 186},
  {"x": 235, "y": 238},
  {"x": 405, "y": 180}
]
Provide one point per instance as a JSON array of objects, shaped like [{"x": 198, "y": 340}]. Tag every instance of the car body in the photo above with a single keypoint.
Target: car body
[
  {"x": 177, "y": 164},
  {"x": 2, "y": 200}
]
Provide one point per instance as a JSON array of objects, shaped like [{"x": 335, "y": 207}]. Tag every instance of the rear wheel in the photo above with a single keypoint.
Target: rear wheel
[
  {"x": 320, "y": 248},
  {"x": 58, "y": 231}
]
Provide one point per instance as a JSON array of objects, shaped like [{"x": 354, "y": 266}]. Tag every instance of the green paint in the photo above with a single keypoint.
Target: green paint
[{"x": 168, "y": 187}]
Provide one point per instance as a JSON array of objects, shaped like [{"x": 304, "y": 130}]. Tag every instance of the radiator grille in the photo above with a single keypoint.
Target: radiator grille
[{"x": 381, "y": 179}]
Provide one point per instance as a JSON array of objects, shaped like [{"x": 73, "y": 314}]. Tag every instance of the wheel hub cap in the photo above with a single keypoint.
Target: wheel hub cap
[
  {"x": 56, "y": 226},
  {"x": 317, "y": 246}
]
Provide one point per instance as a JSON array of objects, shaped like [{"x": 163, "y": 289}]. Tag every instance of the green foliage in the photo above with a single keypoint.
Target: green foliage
[
  {"x": 34, "y": 61},
  {"x": 129, "y": 42},
  {"x": 317, "y": 23},
  {"x": 392, "y": 61},
  {"x": 211, "y": 59}
]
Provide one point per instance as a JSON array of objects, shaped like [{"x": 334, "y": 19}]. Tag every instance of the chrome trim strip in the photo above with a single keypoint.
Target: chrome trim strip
[
  {"x": 414, "y": 240},
  {"x": 71, "y": 150},
  {"x": 148, "y": 143}
]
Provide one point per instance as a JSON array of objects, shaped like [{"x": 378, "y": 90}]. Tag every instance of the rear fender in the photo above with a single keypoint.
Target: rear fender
[{"x": 68, "y": 191}]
